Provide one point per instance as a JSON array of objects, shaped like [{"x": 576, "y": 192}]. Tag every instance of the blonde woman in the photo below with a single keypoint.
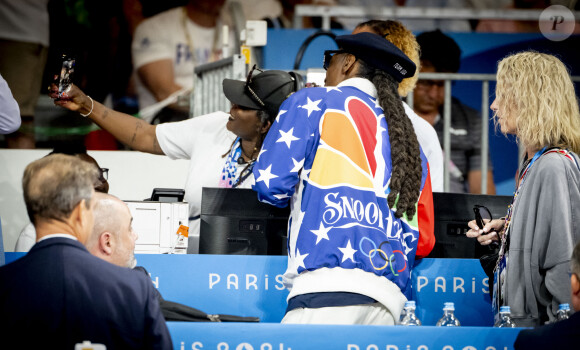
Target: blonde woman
[{"x": 535, "y": 100}]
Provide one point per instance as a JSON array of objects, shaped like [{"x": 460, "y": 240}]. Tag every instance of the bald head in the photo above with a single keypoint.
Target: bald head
[{"x": 112, "y": 238}]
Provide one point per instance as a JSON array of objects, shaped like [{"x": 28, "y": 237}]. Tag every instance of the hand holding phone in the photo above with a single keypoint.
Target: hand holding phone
[
  {"x": 481, "y": 214},
  {"x": 64, "y": 80}
]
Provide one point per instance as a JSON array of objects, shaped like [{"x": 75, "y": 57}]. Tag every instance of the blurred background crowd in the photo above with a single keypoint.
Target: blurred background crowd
[{"x": 100, "y": 34}]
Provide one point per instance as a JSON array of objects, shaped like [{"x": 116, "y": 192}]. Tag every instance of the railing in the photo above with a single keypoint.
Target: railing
[
  {"x": 448, "y": 77},
  {"x": 207, "y": 96},
  {"x": 396, "y": 12},
  {"x": 485, "y": 79}
]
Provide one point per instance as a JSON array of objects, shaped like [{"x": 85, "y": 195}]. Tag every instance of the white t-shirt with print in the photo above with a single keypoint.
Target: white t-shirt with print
[
  {"x": 203, "y": 140},
  {"x": 429, "y": 142},
  {"x": 163, "y": 37}
]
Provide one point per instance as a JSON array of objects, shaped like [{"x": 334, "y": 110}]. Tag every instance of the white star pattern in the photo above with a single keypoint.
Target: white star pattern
[
  {"x": 297, "y": 165},
  {"x": 376, "y": 102},
  {"x": 262, "y": 151},
  {"x": 266, "y": 175},
  {"x": 348, "y": 252},
  {"x": 287, "y": 137},
  {"x": 281, "y": 196},
  {"x": 322, "y": 233},
  {"x": 332, "y": 88},
  {"x": 311, "y": 105},
  {"x": 299, "y": 259},
  {"x": 280, "y": 114}
]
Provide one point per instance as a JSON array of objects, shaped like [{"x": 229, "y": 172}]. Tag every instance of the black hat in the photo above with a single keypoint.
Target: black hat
[
  {"x": 264, "y": 91},
  {"x": 441, "y": 50},
  {"x": 379, "y": 53}
]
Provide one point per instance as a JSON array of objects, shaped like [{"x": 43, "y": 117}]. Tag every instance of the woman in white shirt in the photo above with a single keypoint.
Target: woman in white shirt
[{"x": 222, "y": 147}]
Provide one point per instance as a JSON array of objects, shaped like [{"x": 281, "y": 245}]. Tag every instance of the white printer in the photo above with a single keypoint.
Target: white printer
[{"x": 156, "y": 224}]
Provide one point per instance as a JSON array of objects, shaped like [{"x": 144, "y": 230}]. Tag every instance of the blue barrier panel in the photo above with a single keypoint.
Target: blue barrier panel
[
  {"x": 461, "y": 281},
  {"x": 222, "y": 284},
  {"x": 269, "y": 336},
  {"x": 11, "y": 256},
  {"x": 252, "y": 285}
]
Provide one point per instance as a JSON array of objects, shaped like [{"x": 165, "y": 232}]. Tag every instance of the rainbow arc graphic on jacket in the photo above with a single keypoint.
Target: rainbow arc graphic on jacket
[{"x": 347, "y": 155}]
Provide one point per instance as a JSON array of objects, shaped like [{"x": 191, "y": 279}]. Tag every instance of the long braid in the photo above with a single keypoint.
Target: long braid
[{"x": 405, "y": 154}]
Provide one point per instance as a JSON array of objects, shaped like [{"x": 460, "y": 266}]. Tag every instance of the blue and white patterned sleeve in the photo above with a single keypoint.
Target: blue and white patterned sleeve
[{"x": 287, "y": 145}]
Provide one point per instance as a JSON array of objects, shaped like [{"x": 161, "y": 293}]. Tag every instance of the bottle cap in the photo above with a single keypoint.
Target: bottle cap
[
  {"x": 504, "y": 309},
  {"x": 564, "y": 306},
  {"x": 449, "y": 306},
  {"x": 410, "y": 303}
]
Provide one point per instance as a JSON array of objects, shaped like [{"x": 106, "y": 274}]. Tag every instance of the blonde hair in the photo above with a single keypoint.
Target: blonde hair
[
  {"x": 404, "y": 39},
  {"x": 536, "y": 90}
]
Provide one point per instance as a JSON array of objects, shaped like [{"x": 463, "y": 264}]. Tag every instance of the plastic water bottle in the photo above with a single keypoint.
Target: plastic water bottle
[
  {"x": 410, "y": 319},
  {"x": 563, "y": 312},
  {"x": 403, "y": 313},
  {"x": 505, "y": 318},
  {"x": 448, "y": 319}
]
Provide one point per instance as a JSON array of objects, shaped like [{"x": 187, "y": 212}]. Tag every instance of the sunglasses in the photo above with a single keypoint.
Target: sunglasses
[
  {"x": 103, "y": 174},
  {"x": 328, "y": 56},
  {"x": 253, "y": 94},
  {"x": 481, "y": 214}
]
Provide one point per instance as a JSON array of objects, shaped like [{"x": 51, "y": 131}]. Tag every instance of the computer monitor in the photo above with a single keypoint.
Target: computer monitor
[
  {"x": 167, "y": 195},
  {"x": 452, "y": 213},
  {"x": 233, "y": 221}
]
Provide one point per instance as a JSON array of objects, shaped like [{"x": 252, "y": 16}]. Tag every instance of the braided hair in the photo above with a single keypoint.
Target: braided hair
[{"x": 405, "y": 154}]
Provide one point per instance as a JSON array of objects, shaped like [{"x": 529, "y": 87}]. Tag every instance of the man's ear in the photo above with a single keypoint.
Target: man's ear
[
  {"x": 80, "y": 220},
  {"x": 106, "y": 243},
  {"x": 348, "y": 64}
]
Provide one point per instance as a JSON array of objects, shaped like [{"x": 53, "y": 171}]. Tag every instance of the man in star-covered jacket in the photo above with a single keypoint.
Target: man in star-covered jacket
[{"x": 347, "y": 160}]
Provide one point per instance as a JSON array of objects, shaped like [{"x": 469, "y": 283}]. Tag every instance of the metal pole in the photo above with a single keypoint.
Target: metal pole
[
  {"x": 326, "y": 22},
  {"x": 446, "y": 135},
  {"x": 410, "y": 99},
  {"x": 484, "y": 134}
]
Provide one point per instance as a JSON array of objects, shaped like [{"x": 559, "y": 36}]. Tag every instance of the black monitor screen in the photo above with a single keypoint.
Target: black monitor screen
[
  {"x": 167, "y": 195},
  {"x": 233, "y": 221},
  {"x": 452, "y": 213}
]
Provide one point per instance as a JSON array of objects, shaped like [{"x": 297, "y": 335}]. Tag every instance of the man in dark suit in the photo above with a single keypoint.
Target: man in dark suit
[
  {"x": 61, "y": 294},
  {"x": 563, "y": 334}
]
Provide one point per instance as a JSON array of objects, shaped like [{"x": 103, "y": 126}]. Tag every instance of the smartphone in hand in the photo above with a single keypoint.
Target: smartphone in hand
[
  {"x": 482, "y": 215},
  {"x": 64, "y": 80}
]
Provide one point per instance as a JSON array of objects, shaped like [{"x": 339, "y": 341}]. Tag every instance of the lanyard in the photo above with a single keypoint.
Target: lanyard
[
  {"x": 502, "y": 261},
  {"x": 521, "y": 180},
  {"x": 228, "y": 176}
]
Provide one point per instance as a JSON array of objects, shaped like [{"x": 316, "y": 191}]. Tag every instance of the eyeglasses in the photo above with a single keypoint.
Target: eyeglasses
[
  {"x": 481, "y": 214},
  {"x": 103, "y": 174},
  {"x": 328, "y": 56},
  {"x": 250, "y": 90}
]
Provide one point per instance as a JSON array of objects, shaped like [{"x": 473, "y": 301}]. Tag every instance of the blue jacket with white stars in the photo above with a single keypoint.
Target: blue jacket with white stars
[{"x": 328, "y": 154}]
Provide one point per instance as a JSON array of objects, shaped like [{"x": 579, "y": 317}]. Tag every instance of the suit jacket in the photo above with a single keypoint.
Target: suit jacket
[
  {"x": 59, "y": 295},
  {"x": 560, "y": 335}
]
